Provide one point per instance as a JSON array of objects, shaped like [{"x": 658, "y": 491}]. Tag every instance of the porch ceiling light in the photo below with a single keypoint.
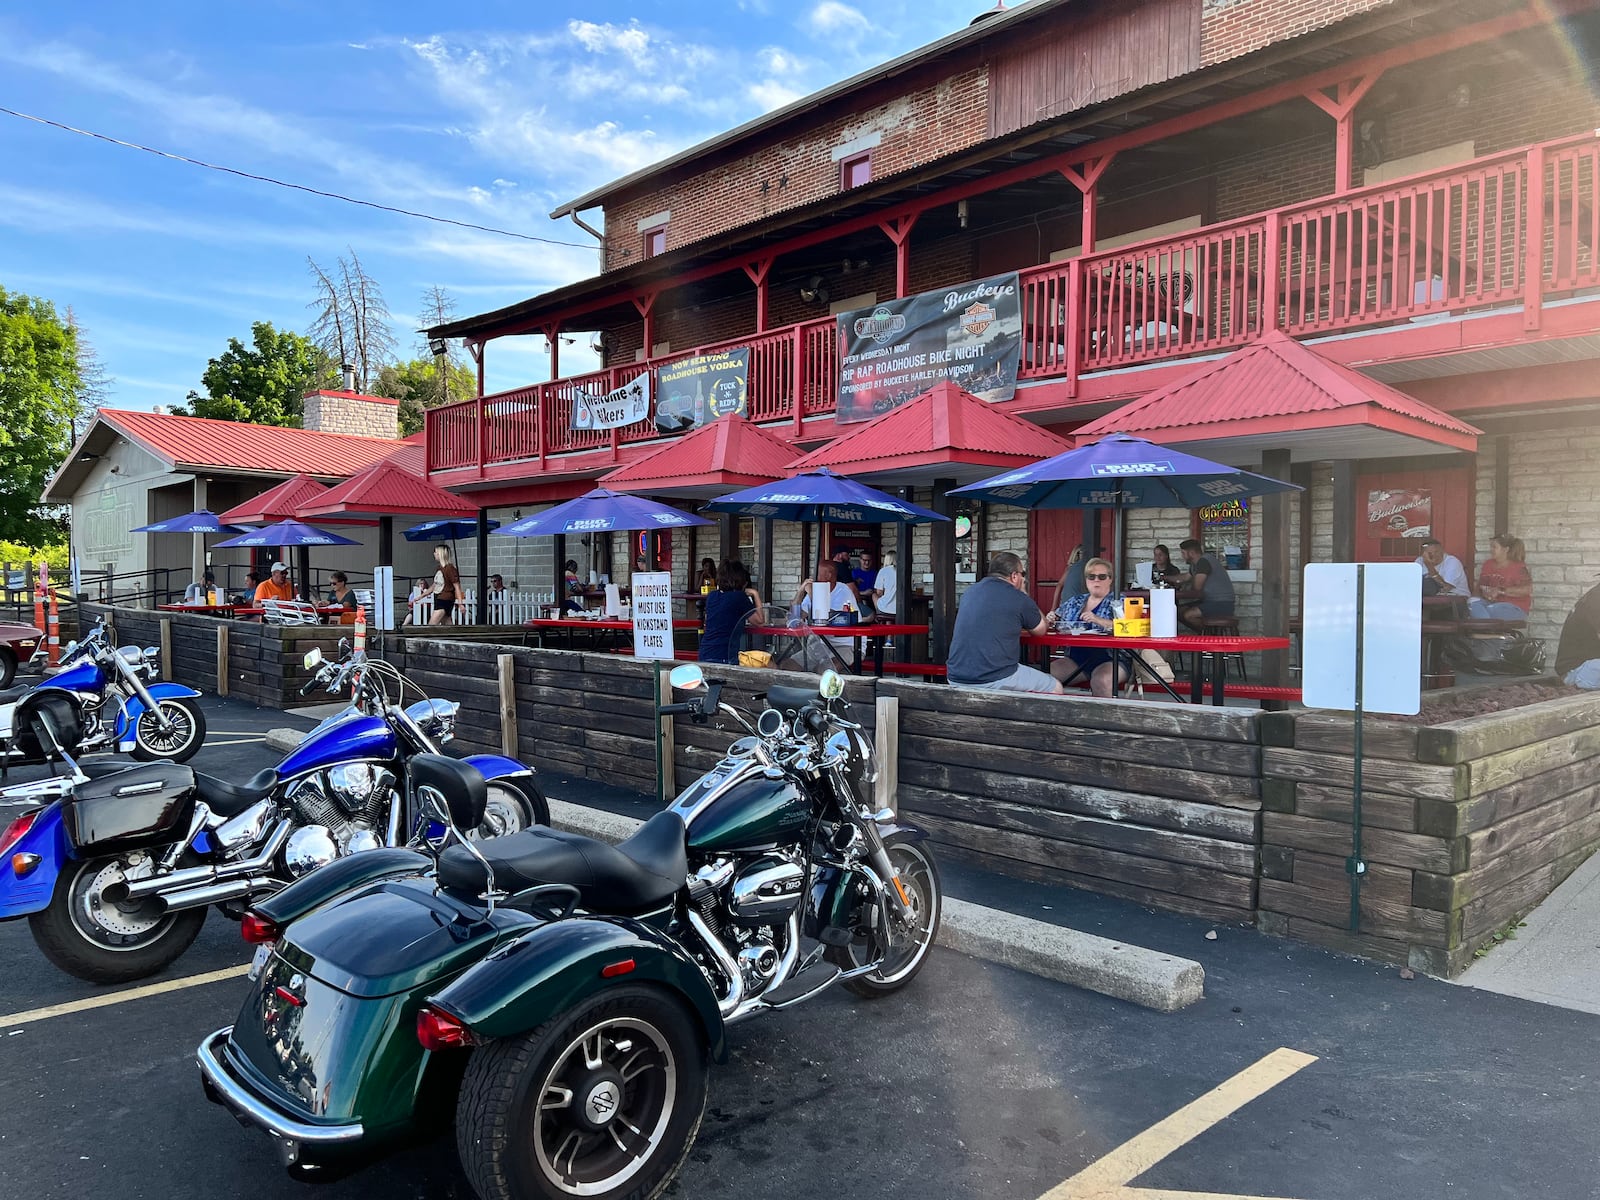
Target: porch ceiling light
[{"x": 439, "y": 346}]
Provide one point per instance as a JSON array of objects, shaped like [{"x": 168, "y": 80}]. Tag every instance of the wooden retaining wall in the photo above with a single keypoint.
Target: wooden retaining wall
[
  {"x": 1152, "y": 802},
  {"x": 1467, "y": 826}
]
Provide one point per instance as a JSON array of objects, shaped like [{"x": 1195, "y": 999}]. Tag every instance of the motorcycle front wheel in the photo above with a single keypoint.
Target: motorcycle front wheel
[
  {"x": 512, "y": 805},
  {"x": 601, "y": 1101},
  {"x": 95, "y": 936},
  {"x": 185, "y": 733},
  {"x": 909, "y": 944}
]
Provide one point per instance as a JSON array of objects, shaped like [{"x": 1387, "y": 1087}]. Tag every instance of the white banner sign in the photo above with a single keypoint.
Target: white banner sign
[
  {"x": 1390, "y": 629},
  {"x": 624, "y": 406},
  {"x": 652, "y": 614}
]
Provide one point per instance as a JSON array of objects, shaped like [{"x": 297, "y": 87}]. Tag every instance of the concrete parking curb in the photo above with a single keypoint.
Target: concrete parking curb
[
  {"x": 1148, "y": 978},
  {"x": 284, "y": 740}
]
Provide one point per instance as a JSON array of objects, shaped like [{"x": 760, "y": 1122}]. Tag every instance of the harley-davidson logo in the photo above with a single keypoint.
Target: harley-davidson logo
[{"x": 977, "y": 317}]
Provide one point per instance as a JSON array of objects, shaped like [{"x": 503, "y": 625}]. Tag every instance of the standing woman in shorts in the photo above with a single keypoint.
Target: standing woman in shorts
[{"x": 446, "y": 587}]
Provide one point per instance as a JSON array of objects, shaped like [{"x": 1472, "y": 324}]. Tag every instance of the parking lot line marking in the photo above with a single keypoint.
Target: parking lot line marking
[
  {"x": 1108, "y": 1177},
  {"x": 122, "y": 997}
]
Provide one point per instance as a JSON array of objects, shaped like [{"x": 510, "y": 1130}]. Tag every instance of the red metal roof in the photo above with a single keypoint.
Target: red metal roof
[
  {"x": 386, "y": 490},
  {"x": 237, "y": 446},
  {"x": 275, "y": 504},
  {"x": 1276, "y": 386},
  {"x": 942, "y": 427},
  {"x": 723, "y": 456}
]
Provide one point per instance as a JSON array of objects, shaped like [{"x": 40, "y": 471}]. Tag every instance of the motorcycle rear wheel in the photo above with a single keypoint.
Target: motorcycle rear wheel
[
  {"x": 186, "y": 736},
  {"x": 603, "y": 1101},
  {"x": 101, "y": 941},
  {"x": 513, "y": 805},
  {"x": 909, "y": 948}
]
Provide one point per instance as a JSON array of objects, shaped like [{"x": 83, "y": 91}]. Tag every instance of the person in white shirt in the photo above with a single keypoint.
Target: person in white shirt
[
  {"x": 886, "y": 589},
  {"x": 1449, "y": 576},
  {"x": 839, "y": 598}
]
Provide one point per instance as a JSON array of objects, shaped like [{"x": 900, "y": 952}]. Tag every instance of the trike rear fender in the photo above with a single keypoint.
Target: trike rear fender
[
  {"x": 31, "y": 892},
  {"x": 560, "y": 964},
  {"x": 338, "y": 877}
]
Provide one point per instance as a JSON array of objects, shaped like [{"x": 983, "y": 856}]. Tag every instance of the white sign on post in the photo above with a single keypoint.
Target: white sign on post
[
  {"x": 382, "y": 615},
  {"x": 652, "y": 614},
  {"x": 1391, "y": 636}
]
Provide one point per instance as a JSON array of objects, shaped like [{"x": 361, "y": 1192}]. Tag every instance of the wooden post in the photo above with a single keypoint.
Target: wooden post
[
  {"x": 902, "y": 554},
  {"x": 1502, "y": 485},
  {"x": 222, "y": 658},
  {"x": 668, "y": 775},
  {"x": 1533, "y": 264},
  {"x": 166, "y": 648},
  {"x": 1344, "y": 511},
  {"x": 888, "y": 740},
  {"x": 506, "y": 666},
  {"x": 1273, "y": 568},
  {"x": 481, "y": 616},
  {"x": 942, "y": 536}
]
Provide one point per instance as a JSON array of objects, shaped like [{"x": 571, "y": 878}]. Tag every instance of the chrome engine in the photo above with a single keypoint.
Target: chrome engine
[
  {"x": 341, "y": 811},
  {"x": 766, "y": 891}
]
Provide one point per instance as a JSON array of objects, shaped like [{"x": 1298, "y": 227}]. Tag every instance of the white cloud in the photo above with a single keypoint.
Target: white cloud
[
  {"x": 630, "y": 41},
  {"x": 832, "y": 17},
  {"x": 769, "y": 94}
]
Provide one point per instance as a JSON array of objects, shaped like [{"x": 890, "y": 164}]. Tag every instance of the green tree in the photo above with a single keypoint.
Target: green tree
[
  {"x": 262, "y": 383},
  {"x": 421, "y": 384},
  {"x": 39, "y": 388}
]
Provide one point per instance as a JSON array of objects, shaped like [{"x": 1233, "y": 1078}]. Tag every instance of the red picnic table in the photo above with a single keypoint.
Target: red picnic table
[
  {"x": 1216, "y": 649},
  {"x": 873, "y": 632},
  {"x": 205, "y": 610}
]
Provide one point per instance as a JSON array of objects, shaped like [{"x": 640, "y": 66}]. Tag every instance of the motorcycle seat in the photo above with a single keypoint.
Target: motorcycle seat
[
  {"x": 230, "y": 799},
  {"x": 629, "y": 878},
  {"x": 11, "y": 695}
]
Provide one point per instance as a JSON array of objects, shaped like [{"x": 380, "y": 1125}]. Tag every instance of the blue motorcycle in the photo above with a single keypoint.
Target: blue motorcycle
[
  {"x": 116, "y": 875},
  {"x": 101, "y": 699}
]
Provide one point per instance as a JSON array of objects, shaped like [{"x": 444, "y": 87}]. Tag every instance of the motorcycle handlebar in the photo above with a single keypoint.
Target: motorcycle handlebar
[
  {"x": 813, "y": 719},
  {"x": 672, "y": 710},
  {"x": 312, "y": 686}
]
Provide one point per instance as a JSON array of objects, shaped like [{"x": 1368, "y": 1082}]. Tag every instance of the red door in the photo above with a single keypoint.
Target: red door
[{"x": 1397, "y": 510}]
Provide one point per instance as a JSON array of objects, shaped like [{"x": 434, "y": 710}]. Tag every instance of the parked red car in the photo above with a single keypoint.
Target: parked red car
[{"x": 17, "y": 645}]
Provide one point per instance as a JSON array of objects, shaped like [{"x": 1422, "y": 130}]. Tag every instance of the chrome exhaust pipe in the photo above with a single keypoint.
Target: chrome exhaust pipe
[
  {"x": 232, "y": 889},
  {"x": 730, "y": 966},
  {"x": 205, "y": 876}
]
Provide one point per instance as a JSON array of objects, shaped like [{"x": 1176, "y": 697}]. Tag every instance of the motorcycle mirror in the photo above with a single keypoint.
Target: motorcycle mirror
[
  {"x": 687, "y": 678},
  {"x": 344, "y": 646},
  {"x": 69, "y": 650},
  {"x": 313, "y": 658},
  {"x": 152, "y": 652},
  {"x": 831, "y": 685}
]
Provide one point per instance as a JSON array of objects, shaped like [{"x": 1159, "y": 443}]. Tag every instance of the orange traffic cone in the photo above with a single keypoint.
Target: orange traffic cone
[{"x": 361, "y": 629}]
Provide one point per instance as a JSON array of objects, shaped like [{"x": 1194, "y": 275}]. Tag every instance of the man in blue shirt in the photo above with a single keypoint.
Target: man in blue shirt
[{"x": 987, "y": 640}]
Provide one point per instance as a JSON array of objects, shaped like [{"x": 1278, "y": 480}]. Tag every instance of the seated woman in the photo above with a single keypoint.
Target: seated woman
[
  {"x": 1163, "y": 567},
  {"x": 1093, "y": 608},
  {"x": 1505, "y": 586},
  {"x": 573, "y": 601},
  {"x": 341, "y": 593},
  {"x": 726, "y": 610}
]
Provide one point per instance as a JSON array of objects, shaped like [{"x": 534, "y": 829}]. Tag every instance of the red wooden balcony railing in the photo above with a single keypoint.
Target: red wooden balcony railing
[{"x": 1514, "y": 228}]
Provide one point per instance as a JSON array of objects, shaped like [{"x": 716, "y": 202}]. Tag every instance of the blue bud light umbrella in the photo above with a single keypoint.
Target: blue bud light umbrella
[
  {"x": 601, "y": 511},
  {"x": 288, "y": 533},
  {"x": 821, "y": 495},
  {"x": 200, "y": 521},
  {"x": 452, "y": 528},
  {"x": 1121, "y": 471}
]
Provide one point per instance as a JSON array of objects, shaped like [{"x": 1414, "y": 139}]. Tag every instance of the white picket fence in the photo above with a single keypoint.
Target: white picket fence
[{"x": 508, "y": 608}]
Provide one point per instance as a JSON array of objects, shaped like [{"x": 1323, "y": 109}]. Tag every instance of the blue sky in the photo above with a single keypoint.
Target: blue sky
[{"x": 488, "y": 112}]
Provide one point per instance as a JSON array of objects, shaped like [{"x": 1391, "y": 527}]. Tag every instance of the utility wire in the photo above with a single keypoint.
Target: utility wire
[{"x": 298, "y": 187}]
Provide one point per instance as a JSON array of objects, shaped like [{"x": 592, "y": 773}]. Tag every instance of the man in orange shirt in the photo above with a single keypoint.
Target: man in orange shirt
[{"x": 276, "y": 586}]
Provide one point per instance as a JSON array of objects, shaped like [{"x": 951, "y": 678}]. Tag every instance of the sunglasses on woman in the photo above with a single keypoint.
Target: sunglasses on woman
[{"x": 1097, "y": 575}]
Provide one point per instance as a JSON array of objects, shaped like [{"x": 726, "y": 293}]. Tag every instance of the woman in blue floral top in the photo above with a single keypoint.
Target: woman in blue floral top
[{"x": 1093, "y": 609}]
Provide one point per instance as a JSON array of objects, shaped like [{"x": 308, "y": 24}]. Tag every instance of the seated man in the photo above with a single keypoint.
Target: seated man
[
  {"x": 200, "y": 592},
  {"x": 1442, "y": 574},
  {"x": 1213, "y": 584},
  {"x": 987, "y": 640},
  {"x": 1578, "y": 652},
  {"x": 276, "y": 586}
]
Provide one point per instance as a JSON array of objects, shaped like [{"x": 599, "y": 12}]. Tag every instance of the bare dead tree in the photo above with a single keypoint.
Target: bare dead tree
[{"x": 351, "y": 322}]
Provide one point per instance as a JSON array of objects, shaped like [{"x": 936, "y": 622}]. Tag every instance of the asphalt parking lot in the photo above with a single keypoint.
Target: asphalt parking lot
[{"x": 975, "y": 1081}]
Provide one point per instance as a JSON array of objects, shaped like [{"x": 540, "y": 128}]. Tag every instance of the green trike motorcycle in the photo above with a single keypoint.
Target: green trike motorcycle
[{"x": 559, "y": 997}]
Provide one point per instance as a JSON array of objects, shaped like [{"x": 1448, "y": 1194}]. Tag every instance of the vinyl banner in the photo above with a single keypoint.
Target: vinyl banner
[
  {"x": 696, "y": 391},
  {"x": 892, "y": 352},
  {"x": 622, "y": 406}
]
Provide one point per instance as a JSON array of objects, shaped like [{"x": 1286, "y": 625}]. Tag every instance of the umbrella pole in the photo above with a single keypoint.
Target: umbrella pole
[{"x": 1116, "y": 535}]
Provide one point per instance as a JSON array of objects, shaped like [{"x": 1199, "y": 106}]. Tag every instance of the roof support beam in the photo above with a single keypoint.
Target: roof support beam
[
  {"x": 898, "y": 230},
  {"x": 645, "y": 303},
  {"x": 1087, "y": 180},
  {"x": 758, "y": 270},
  {"x": 552, "y": 336},
  {"x": 1341, "y": 106}
]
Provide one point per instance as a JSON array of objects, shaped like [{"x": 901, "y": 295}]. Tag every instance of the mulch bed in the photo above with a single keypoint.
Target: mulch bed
[{"x": 1479, "y": 701}]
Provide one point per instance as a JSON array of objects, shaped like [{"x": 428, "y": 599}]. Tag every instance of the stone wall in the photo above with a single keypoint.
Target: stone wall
[{"x": 353, "y": 413}]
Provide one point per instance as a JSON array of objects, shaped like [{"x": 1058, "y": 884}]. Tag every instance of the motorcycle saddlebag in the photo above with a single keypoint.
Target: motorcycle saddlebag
[{"x": 131, "y": 810}]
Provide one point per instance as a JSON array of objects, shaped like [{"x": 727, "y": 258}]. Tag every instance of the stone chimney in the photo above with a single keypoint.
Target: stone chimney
[{"x": 349, "y": 411}]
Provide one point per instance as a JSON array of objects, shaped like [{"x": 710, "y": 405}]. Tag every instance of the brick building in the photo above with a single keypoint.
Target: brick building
[{"x": 1405, "y": 187}]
